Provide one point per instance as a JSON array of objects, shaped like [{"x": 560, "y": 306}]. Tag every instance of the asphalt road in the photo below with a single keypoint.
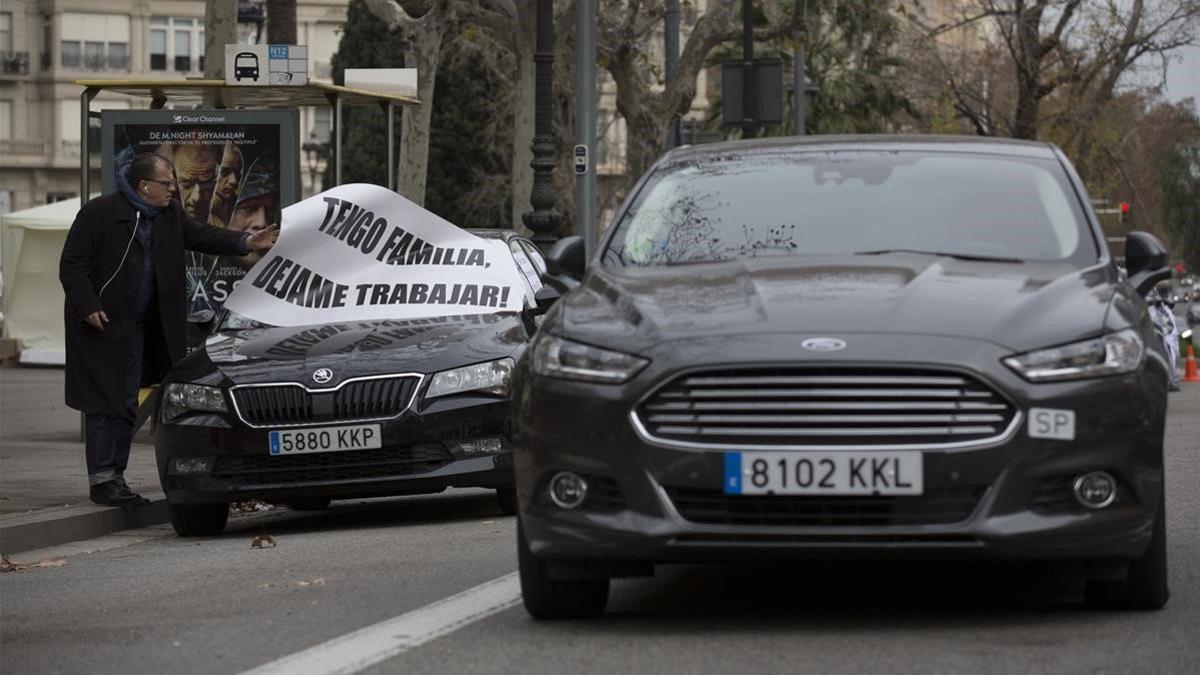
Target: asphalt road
[{"x": 148, "y": 602}]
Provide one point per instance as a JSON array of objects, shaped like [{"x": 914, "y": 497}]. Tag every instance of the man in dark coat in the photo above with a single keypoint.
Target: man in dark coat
[{"x": 122, "y": 269}]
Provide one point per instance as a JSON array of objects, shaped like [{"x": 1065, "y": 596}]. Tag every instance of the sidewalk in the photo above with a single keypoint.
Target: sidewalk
[{"x": 43, "y": 480}]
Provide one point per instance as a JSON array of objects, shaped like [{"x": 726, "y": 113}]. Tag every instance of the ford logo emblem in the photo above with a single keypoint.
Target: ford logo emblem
[
  {"x": 322, "y": 375},
  {"x": 823, "y": 344}
]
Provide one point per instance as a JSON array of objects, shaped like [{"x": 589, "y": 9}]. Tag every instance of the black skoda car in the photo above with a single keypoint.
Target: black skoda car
[
  {"x": 305, "y": 415},
  {"x": 845, "y": 346}
]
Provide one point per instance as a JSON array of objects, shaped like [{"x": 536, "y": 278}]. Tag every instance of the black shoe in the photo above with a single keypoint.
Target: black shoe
[
  {"x": 126, "y": 490},
  {"x": 110, "y": 494}
]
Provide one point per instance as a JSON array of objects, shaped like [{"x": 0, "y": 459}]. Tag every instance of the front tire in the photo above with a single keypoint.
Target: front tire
[
  {"x": 547, "y": 598},
  {"x": 1145, "y": 584},
  {"x": 198, "y": 520},
  {"x": 506, "y": 498}
]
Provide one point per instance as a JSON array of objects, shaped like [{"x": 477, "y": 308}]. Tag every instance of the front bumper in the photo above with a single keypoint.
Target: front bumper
[
  {"x": 1009, "y": 499},
  {"x": 420, "y": 454}
]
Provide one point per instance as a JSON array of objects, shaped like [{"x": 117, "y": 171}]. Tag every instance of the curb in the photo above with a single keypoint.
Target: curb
[{"x": 51, "y": 527}]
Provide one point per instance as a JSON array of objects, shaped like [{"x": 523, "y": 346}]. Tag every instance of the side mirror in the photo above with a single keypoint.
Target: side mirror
[
  {"x": 544, "y": 298},
  {"x": 1146, "y": 261},
  {"x": 566, "y": 257}
]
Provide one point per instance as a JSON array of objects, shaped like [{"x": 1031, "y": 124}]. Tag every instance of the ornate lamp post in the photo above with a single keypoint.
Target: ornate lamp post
[{"x": 543, "y": 219}]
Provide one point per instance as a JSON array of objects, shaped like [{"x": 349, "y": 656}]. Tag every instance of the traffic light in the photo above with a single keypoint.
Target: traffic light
[{"x": 1124, "y": 212}]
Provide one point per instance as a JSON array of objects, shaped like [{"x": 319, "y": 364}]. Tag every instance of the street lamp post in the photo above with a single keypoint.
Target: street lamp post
[{"x": 543, "y": 219}]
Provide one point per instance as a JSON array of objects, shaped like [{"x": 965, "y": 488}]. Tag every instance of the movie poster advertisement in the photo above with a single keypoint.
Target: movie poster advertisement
[{"x": 235, "y": 169}]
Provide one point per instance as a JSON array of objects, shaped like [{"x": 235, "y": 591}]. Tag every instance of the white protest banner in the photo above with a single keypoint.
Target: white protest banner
[{"x": 362, "y": 252}]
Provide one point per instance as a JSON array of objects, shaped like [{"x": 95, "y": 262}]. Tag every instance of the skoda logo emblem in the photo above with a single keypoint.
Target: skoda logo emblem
[
  {"x": 322, "y": 375},
  {"x": 823, "y": 344}
]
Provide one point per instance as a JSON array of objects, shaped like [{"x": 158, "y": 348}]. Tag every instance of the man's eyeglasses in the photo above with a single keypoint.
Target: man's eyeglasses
[{"x": 168, "y": 183}]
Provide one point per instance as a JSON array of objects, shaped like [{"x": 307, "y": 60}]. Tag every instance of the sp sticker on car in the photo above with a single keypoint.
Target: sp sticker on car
[{"x": 1053, "y": 423}]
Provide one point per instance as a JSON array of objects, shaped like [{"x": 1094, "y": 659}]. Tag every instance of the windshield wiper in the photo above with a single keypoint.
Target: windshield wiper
[{"x": 947, "y": 254}]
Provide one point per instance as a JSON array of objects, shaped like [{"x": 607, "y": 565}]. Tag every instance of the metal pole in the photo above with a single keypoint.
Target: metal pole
[
  {"x": 85, "y": 150},
  {"x": 389, "y": 110},
  {"x": 671, "y": 45},
  {"x": 335, "y": 104},
  {"x": 748, "y": 111},
  {"x": 543, "y": 219},
  {"x": 585, "y": 121}
]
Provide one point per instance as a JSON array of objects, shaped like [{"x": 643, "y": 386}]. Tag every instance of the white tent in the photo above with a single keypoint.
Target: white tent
[{"x": 33, "y": 297}]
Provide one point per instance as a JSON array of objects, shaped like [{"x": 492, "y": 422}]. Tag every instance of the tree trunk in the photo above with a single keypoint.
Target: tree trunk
[
  {"x": 1027, "y": 59},
  {"x": 647, "y": 113},
  {"x": 1025, "y": 118},
  {"x": 220, "y": 29},
  {"x": 281, "y": 22},
  {"x": 425, "y": 52}
]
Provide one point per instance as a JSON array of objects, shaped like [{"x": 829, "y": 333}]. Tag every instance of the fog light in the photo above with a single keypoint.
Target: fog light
[
  {"x": 190, "y": 465},
  {"x": 1095, "y": 490},
  {"x": 482, "y": 446},
  {"x": 567, "y": 489}
]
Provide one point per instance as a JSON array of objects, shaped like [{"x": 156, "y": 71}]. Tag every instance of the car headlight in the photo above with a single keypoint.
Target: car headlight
[
  {"x": 492, "y": 377},
  {"x": 182, "y": 398},
  {"x": 1112, "y": 354},
  {"x": 556, "y": 357}
]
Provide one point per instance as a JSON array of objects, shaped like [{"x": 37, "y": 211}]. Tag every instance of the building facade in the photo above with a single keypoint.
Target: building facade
[{"x": 46, "y": 45}]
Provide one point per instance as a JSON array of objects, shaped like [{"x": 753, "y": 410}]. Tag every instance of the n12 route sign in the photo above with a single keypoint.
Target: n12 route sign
[{"x": 259, "y": 65}]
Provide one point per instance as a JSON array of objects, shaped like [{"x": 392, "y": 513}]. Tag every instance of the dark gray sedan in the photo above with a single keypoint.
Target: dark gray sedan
[{"x": 845, "y": 347}]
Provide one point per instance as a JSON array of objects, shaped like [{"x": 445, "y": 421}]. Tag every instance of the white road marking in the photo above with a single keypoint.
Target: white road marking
[{"x": 365, "y": 647}]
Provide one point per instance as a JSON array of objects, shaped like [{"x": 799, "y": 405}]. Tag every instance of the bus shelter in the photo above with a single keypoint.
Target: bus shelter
[{"x": 216, "y": 94}]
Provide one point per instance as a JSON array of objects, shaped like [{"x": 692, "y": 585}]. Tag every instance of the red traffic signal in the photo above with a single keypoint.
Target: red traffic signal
[{"x": 1124, "y": 208}]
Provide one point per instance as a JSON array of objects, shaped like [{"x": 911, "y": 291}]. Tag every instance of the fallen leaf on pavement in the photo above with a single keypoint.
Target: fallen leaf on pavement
[
  {"x": 7, "y": 565},
  {"x": 51, "y": 562},
  {"x": 263, "y": 540},
  {"x": 319, "y": 581},
  {"x": 249, "y": 506}
]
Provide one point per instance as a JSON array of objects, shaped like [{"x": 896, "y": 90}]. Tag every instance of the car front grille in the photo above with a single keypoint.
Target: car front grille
[
  {"x": 289, "y": 404},
  {"x": 323, "y": 467},
  {"x": 936, "y": 507},
  {"x": 803, "y": 407}
]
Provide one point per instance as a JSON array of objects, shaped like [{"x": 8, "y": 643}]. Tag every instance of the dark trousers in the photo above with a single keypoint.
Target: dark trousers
[{"x": 108, "y": 437}]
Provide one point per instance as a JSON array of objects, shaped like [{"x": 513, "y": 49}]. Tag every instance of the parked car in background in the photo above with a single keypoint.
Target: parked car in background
[
  {"x": 302, "y": 416},
  {"x": 846, "y": 347}
]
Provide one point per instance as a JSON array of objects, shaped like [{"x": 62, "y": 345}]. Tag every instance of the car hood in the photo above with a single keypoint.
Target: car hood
[
  {"x": 1019, "y": 306},
  {"x": 356, "y": 349}
]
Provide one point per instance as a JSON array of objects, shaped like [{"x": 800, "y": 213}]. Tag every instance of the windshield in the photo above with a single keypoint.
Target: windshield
[{"x": 835, "y": 203}]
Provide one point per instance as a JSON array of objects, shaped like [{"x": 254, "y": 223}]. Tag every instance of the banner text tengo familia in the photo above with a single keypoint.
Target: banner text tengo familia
[{"x": 364, "y": 252}]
